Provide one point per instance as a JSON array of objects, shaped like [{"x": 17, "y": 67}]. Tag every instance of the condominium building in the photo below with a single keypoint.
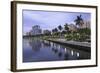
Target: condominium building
[{"x": 36, "y": 30}]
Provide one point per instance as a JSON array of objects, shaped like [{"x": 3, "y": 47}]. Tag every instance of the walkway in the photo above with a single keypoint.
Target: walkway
[{"x": 79, "y": 45}]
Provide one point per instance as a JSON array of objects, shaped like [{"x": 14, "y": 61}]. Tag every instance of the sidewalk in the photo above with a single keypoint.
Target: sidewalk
[
  {"x": 75, "y": 42},
  {"x": 79, "y": 45}
]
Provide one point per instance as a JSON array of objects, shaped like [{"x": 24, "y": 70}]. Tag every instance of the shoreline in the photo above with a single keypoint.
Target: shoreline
[{"x": 74, "y": 44}]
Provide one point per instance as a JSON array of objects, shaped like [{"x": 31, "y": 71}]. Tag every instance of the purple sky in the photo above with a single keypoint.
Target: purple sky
[{"x": 49, "y": 20}]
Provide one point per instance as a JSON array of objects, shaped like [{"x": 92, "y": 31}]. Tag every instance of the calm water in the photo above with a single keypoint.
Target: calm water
[{"x": 35, "y": 50}]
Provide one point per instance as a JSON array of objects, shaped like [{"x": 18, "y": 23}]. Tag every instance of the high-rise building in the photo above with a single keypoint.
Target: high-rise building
[{"x": 36, "y": 30}]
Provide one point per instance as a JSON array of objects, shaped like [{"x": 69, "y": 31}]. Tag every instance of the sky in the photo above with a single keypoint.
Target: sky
[{"x": 49, "y": 19}]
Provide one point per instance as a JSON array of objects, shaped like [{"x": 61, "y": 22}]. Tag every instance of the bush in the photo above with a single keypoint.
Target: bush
[{"x": 68, "y": 37}]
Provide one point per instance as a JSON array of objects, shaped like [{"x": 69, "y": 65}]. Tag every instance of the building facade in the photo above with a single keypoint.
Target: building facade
[
  {"x": 86, "y": 24},
  {"x": 36, "y": 30},
  {"x": 72, "y": 27}
]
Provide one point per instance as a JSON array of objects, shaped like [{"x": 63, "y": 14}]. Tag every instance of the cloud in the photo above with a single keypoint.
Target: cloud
[{"x": 49, "y": 20}]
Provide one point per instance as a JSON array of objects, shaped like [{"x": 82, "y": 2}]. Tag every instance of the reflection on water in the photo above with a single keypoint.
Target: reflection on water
[
  {"x": 35, "y": 44},
  {"x": 35, "y": 50}
]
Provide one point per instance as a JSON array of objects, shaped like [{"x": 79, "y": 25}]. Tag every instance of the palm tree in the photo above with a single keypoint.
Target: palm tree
[
  {"x": 60, "y": 28},
  {"x": 66, "y": 27},
  {"x": 56, "y": 30},
  {"x": 53, "y": 31},
  {"x": 79, "y": 21}
]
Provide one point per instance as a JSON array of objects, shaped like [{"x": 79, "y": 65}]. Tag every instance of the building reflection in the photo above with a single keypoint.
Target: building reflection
[
  {"x": 58, "y": 51},
  {"x": 35, "y": 44}
]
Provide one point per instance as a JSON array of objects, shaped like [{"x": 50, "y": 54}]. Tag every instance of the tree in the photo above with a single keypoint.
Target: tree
[
  {"x": 53, "y": 31},
  {"x": 79, "y": 21},
  {"x": 66, "y": 27},
  {"x": 56, "y": 30},
  {"x": 84, "y": 34},
  {"x": 60, "y": 27},
  {"x": 47, "y": 32}
]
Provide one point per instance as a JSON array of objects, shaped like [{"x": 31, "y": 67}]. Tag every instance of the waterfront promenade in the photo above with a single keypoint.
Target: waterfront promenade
[{"x": 78, "y": 45}]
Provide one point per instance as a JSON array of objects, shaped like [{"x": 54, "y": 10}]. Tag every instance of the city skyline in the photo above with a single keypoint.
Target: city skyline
[{"x": 48, "y": 20}]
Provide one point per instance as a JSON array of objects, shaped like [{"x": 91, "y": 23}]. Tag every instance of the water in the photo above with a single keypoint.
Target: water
[{"x": 35, "y": 50}]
